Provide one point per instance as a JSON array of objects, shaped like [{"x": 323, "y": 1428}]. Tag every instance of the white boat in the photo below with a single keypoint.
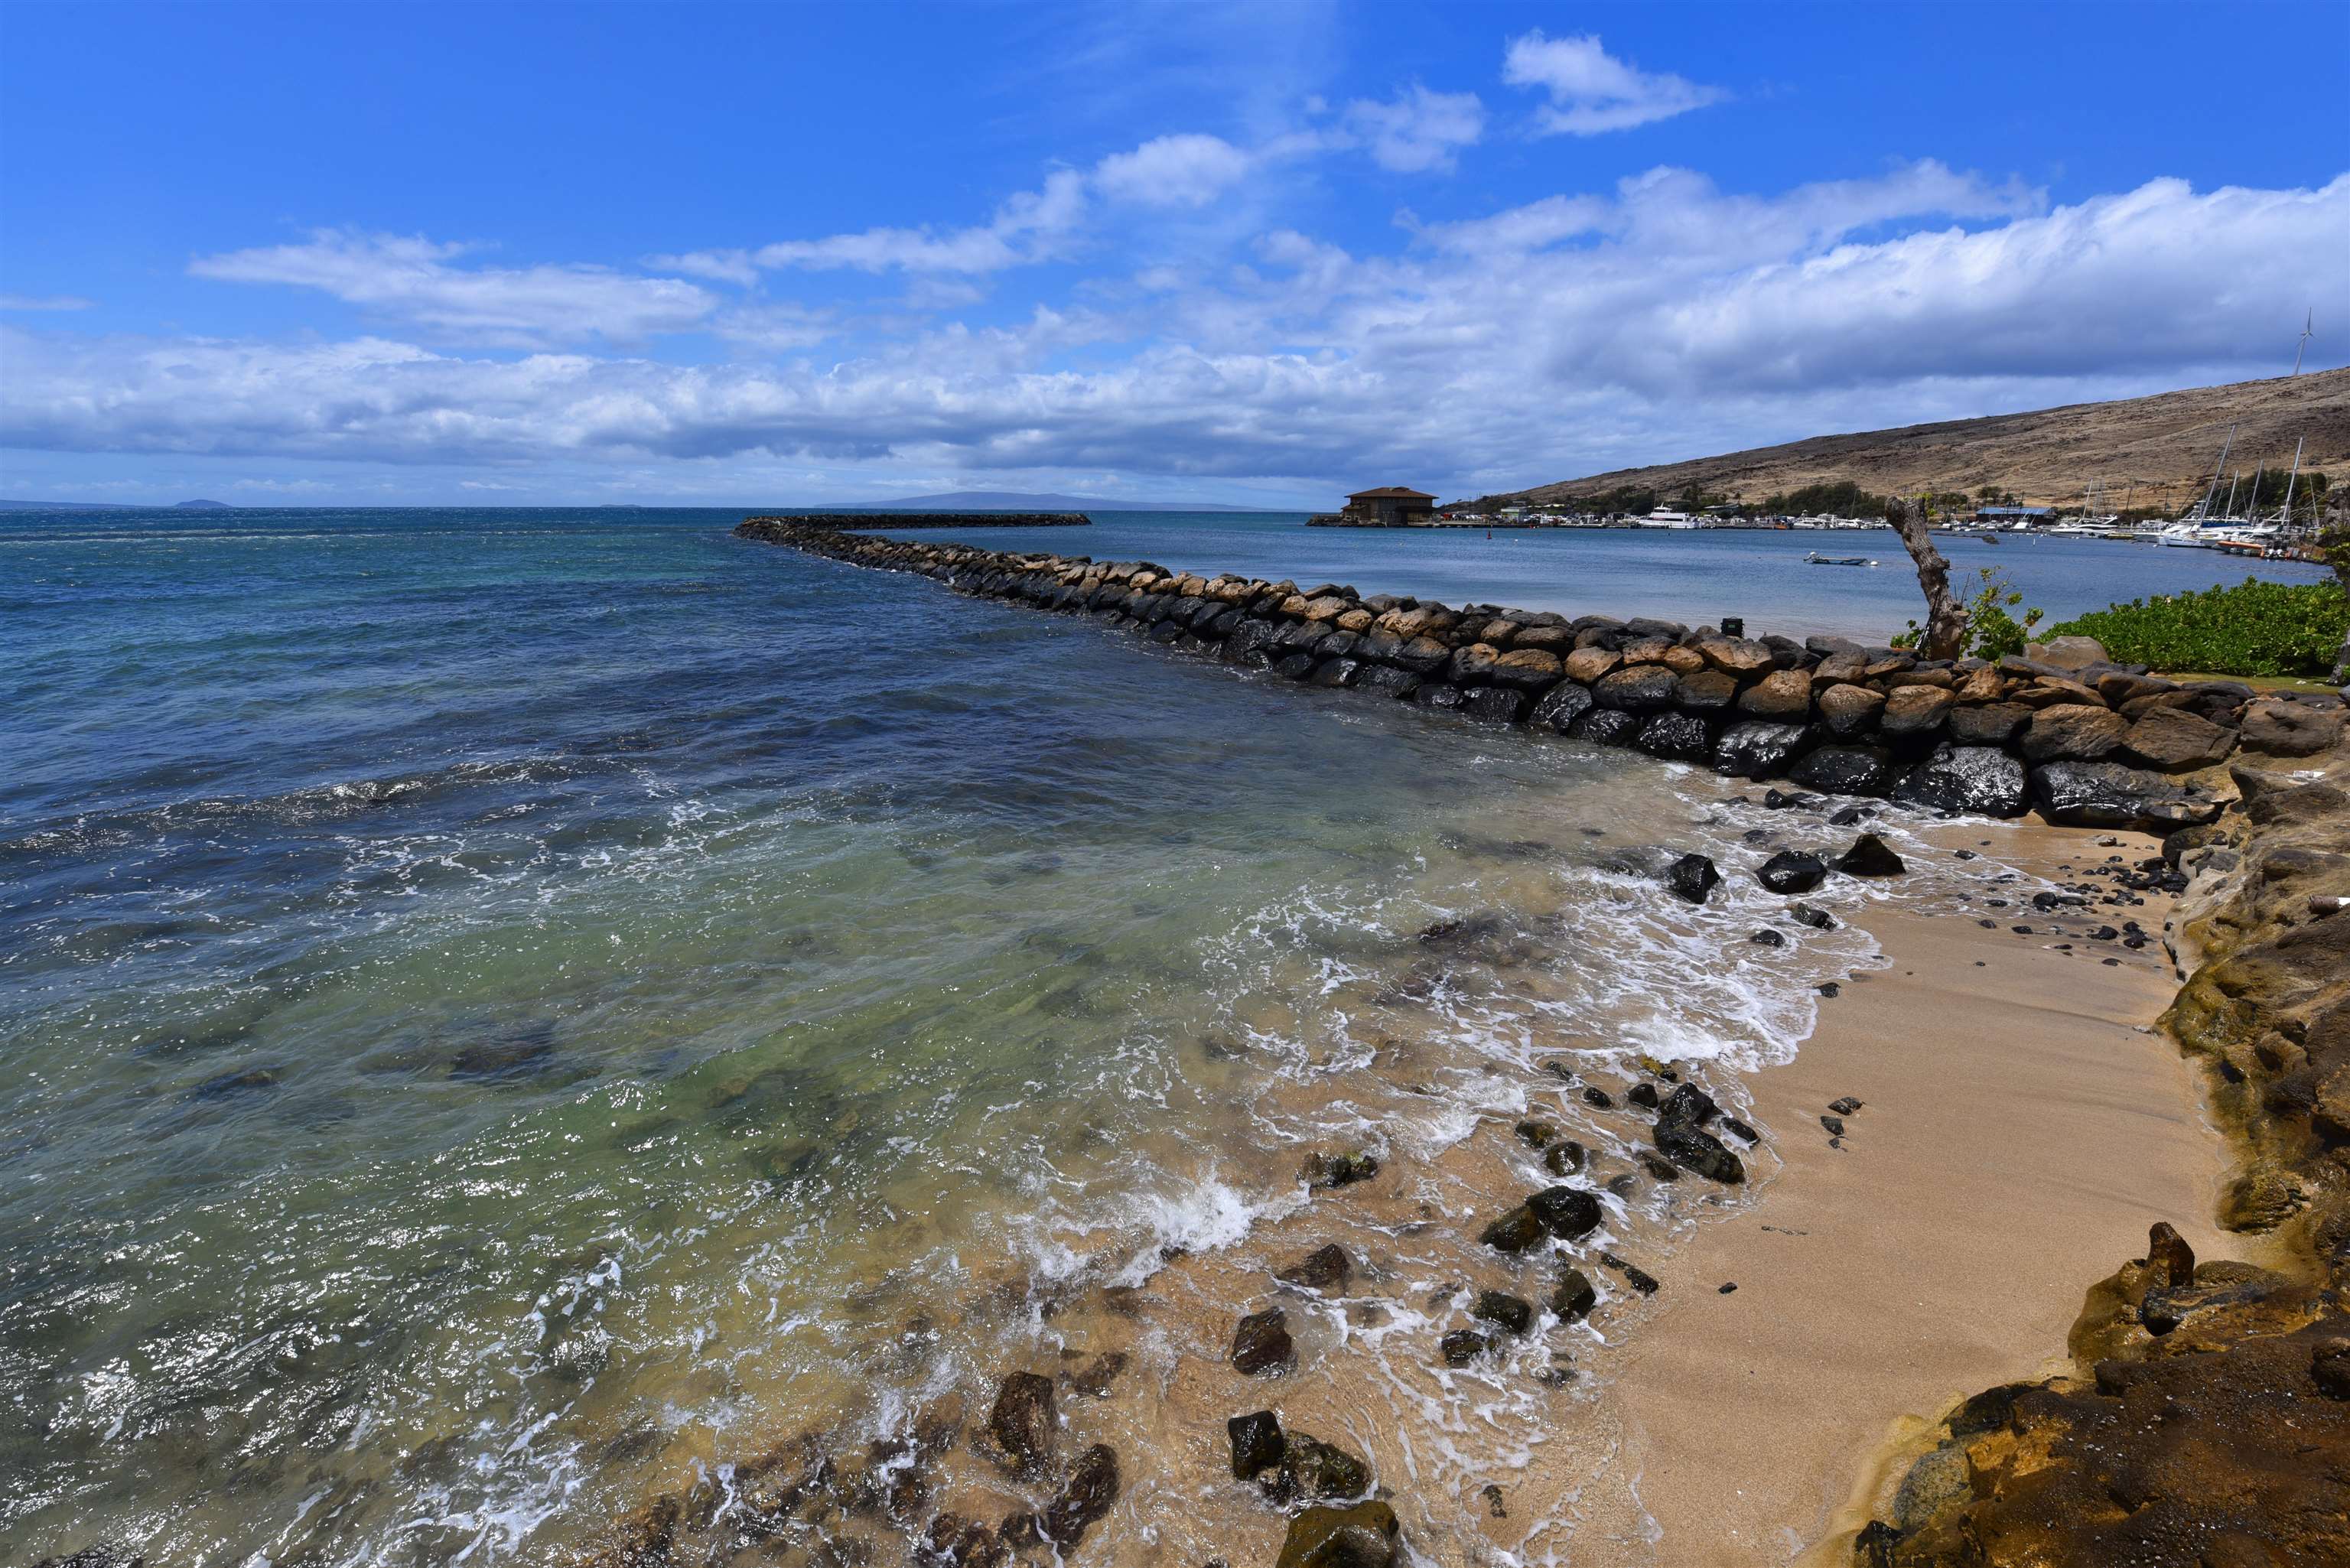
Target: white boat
[{"x": 1662, "y": 518}]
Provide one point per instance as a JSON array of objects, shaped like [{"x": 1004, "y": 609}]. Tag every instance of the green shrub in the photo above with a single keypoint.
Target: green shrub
[
  {"x": 1992, "y": 631},
  {"x": 2254, "y": 628}
]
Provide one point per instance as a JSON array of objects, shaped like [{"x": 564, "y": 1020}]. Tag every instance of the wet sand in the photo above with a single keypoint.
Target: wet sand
[{"x": 2019, "y": 1132}]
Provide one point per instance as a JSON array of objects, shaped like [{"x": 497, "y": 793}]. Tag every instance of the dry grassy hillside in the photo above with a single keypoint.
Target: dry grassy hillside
[{"x": 2164, "y": 446}]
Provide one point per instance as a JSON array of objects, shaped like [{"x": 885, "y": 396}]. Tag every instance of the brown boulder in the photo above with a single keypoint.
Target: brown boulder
[
  {"x": 1528, "y": 669},
  {"x": 1682, "y": 660},
  {"x": 1588, "y": 664},
  {"x": 1988, "y": 725},
  {"x": 2072, "y": 732},
  {"x": 2289, "y": 728},
  {"x": 1706, "y": 690},
  {"x": 1782, "y": 694},
  {"x": 1736, "y": 656},
  {"x": 1913, "y": 711},
  {"x": 1848, "y": 710},
  {"x": 2174, "y": 741}
]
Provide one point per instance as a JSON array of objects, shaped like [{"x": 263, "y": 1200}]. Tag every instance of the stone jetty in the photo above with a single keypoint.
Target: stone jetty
[
  {"x": 2088, "y": 741},
  {"x": 844, "y": 522}
]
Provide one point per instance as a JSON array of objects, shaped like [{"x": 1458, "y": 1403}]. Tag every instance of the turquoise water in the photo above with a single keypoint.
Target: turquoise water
[{"x": 508, "y": 1011}]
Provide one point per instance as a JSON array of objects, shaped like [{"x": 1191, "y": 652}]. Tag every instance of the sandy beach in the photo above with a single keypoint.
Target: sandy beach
[{"x": 2020, "y": 1129}]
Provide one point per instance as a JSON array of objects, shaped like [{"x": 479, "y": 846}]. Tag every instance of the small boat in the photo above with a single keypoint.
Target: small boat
[{"x": 1816, "y": 560}]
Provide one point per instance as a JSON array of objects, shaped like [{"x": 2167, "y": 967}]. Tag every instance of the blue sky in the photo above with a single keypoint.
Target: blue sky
[{"x": 352, "y": 253}]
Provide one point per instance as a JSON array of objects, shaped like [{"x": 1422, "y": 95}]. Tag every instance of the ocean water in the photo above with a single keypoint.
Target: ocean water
[{"x": 507, "y": 1015}]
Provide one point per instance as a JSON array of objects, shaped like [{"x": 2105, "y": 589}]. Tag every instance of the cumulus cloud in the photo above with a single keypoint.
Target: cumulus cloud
[
  {"x": 1189, "y": 171},
  {"x": 1663, "y": 319},
  {"x": 1592, "y": 91},
  {"x": 1418, "y": 130},
  {"x": 410, "y": 278}
]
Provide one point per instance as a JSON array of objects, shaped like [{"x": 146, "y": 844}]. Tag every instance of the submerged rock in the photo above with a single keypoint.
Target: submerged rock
[
  {"x": 1500, "y": 1307},
  {"x": 1323, "y": 1270},
  {"x": 1574, "y": 1297},
  {"x": 1362, "y": 1536},
  {"x": 1693, "y": 1149},
  {"x": 1024, "y": 1422},
  {"x": 1464, "y": 1346},
  {"x": 1563, "y": 1157},
  {"x": 1513, "y": 1231},
  {"x": 1323, "y": 1171},
  {"x": 1262, "y": 1344},
  {"x": 1565, "y": 1213},
  {"x": 1257, "y": 1443},
  {"x": 1092, "y": 1488}
]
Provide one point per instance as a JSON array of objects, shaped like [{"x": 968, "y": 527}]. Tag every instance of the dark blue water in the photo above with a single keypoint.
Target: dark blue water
[{"x": 500, "y": 1008}]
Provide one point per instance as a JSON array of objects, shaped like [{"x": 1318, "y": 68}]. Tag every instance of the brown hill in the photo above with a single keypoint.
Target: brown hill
[{"x": 2155, "y": 451}]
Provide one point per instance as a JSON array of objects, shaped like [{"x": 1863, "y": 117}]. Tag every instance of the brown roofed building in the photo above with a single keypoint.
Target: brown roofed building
[{"x": 1390, "y": 507}]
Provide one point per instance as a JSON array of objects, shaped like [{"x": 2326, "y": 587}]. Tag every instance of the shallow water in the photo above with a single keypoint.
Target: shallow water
[{"x": 508, "y": 1013}]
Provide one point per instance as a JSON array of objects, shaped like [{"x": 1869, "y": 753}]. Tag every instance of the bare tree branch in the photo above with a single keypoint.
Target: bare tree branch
[{"x": 1946, "y": 618}]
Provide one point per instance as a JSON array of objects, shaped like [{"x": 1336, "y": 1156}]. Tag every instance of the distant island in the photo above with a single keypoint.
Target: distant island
[
  {"x": 111, "y": 506},
  {"x": 1025, "y": 501}
]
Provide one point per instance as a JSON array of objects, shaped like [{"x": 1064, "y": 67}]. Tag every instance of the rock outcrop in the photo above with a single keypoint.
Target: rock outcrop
[{"x": 2206, "y": 1420}]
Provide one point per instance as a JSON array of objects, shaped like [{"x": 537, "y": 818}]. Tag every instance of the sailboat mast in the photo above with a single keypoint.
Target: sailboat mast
[
  {"x": 2253, "y": 504},
  {"x": 2203, "y": 512},
  {"x": 2285, "y": 517},
  {"x": 2233, "y": 480}
]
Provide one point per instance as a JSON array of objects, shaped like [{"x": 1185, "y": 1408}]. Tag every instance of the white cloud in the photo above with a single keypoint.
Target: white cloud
[
  {"x": 719, "y": 266},
  {"x": 410, "y": 279},
  {"x": 1188, "y": 170},
  {"x": 1591, "y": 90},
  {"x": 44, "y": 302},
  {"x": 1666, "y": 319},
  {"x": 1418, "y": 130},
  {"x": 1029, "y": 227}
]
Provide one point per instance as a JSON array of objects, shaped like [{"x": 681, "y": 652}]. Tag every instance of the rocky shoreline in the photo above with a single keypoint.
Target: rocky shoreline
[
  {"x": 2205, "y": 1419},
  {"x": 2085, "y": 741}
]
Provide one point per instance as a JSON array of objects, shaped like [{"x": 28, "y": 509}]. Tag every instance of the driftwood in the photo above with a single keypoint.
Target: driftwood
[{"x": 1946, "y": 618}]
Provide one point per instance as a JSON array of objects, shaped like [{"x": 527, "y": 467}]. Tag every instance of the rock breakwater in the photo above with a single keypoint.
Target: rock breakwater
[
  {"x": 843, "y": 522},
  {"x": 2085, "y": 741}
]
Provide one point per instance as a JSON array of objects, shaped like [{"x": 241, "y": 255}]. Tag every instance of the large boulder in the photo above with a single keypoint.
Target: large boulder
[
  {"x": 1561, "y": 706},
  {"x": 2173, "y": 740},
  {"x": 1677, "y": 737},
  {"x": 1988, "y": 724},
  {"x": 1845, "y": 769},
  {"x": 1782, "y": 694},
  {"x": 1913, "y": 711},
  {"x": 1756, "y": 749},
  {"x": 2068, "y": 652},
  {"x": 1706, "y": 690},
  {"x": 1494, "y": 704},
  {"x": 2072, "y": 733},
  {"x": 2281, "y": 728},
  {"x": 1741, "y": 657},
  {"x": 1847, "y": 710},
  {"x": 1527, "y": 669},
  {"x": 1588, "y": 664},
  {"x": 1636, "y": 689},
  {"x": 2109, "y": 795},
  {"x": 1975, "y": 781},
  {"x": 1606, "y": 727}
]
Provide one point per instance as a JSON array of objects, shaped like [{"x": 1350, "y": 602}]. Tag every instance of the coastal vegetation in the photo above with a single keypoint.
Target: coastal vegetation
[
  {"x": 1993, "y": 631},
  {"x": 2252, "y": 629}
]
